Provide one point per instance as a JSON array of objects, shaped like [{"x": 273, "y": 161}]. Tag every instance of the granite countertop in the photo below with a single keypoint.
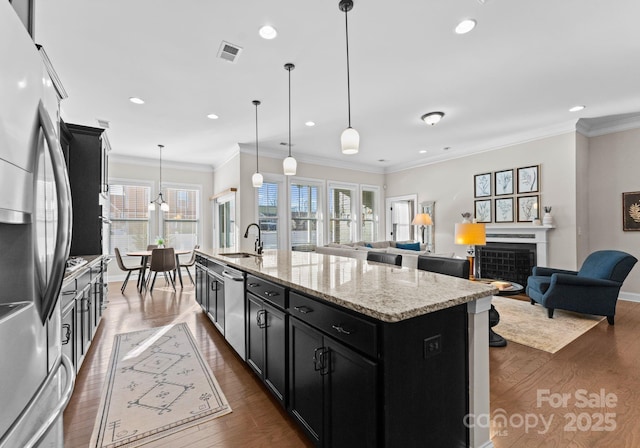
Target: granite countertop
[
  {"x": 92, "y": 260},
  {"x": 384, "y": 292}
]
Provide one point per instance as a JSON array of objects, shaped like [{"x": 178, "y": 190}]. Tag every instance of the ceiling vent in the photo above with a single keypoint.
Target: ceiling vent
[{"x": 229, "y": 52}]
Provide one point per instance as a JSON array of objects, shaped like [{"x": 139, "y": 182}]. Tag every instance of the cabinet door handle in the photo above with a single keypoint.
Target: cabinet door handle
[
  {"x": 271, "y": 293},
  {"x": 317, "y": 359},
  {"x": 303, "y": 309},
  {"x": 340, "y": 329},
  {"x": 261, "y": 318},
  {"x": 67, "y": 334}
]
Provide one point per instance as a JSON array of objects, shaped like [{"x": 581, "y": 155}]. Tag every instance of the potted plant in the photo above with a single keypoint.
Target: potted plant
[
  {"x": 547, "y": 219},
  {"x": 160, "y": 241}
]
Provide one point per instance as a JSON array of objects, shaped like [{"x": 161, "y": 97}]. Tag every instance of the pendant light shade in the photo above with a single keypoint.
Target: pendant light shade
[
  {"x": 350, "y": 139},
  {"x": 256, "y": 179},
  {"x": 289, "y": 165},
  {"x": 159, "y": 200}
]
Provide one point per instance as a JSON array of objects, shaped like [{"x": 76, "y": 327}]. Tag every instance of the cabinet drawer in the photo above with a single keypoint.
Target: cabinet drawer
[
  {"x": 266, "y": 290},
  {"x": 352, "y": 330}
]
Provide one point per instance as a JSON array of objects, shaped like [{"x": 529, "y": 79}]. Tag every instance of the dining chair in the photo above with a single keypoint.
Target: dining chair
[
  {"x": 127, "y": 269},
  {"x": 191, "y": 262},
  {"x": 162, "y": 260}
]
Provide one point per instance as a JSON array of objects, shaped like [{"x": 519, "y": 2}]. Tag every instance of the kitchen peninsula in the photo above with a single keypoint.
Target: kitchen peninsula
[{"x": 360, "y": 353}]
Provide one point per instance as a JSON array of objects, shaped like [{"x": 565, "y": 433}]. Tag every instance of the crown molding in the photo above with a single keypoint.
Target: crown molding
[
  {"x": 275, "y": 154},
  {"x": 593, "y": 127},
  {"x": 144, "y": 161}
]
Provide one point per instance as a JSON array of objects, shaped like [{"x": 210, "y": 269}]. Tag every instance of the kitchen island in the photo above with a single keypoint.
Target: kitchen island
[{"x": 360, "y": 353}]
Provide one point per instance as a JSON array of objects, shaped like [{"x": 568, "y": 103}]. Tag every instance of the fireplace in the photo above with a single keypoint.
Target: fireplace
[{"x": 506, "y": 261}]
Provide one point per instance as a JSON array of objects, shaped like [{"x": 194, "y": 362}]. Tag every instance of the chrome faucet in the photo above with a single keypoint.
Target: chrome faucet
[{"x": 257, "y": 246}]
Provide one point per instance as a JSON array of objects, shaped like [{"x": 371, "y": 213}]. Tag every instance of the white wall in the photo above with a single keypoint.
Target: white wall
[
  {"x": 582, "y": 197},
  {"x": 613, "y": 169},
  {"x": 450, "y": 185}
]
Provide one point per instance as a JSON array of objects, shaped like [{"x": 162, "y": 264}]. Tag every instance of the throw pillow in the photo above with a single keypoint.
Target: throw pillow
[{"x": 408, "y": 246}]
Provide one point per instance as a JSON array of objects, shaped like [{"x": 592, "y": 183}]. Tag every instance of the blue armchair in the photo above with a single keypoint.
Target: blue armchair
[{"x": 591, "y": 290}]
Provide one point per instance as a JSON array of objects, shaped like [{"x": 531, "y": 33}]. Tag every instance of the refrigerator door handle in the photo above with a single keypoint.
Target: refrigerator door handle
[
  {"x": 63, "y": 242},
  {"x": 65, "y": 396}
]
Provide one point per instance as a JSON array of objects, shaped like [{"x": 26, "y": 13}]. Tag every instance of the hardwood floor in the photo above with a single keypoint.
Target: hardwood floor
[{"x": 605, "y": 358}]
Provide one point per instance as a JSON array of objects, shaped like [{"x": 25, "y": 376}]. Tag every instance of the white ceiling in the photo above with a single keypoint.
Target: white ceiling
[{"x": 511, "y": 79}]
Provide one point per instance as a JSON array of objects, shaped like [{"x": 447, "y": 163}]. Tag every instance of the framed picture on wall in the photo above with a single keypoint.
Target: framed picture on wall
[
  {"x": 528, "y": 208},
  {"x": 631, "y": 211},
  {"x": 483, "y": 210},
  {"x": 504, "y": 210},
  {"x": 503, "y": 182},
  {"x": 528, "y": 179},
  {"x": 482, "y": 185}
]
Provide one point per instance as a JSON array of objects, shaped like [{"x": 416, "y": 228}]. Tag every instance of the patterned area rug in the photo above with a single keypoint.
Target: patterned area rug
[
  {"x": 529, "y": 325},
  {"x": 157, "y": 384}
]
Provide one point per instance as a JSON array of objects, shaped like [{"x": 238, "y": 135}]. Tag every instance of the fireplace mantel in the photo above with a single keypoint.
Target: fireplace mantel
[{"x": 521, "y": 233}]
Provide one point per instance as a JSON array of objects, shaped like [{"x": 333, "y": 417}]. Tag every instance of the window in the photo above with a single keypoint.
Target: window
[
  {"x": 129, "y": 214},
  {"x": 369, "y": 205},
  {"x": 225, "y": 222},
  {"x": 181, "y": 222},
  {"x": 268, "y": 214},
  {"x": 304, "y": 204},
  {"x": 341, "y": 213}
]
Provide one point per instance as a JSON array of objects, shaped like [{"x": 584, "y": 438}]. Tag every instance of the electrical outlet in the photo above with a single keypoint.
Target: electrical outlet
[{"x": 432, "y": 346}]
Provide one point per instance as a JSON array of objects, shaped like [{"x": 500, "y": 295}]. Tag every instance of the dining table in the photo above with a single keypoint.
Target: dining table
[{"x": 145, "y": 254}]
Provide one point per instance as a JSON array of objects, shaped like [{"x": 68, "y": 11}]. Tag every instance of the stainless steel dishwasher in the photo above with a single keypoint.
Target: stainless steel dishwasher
[{"x": 234, "y": 318}]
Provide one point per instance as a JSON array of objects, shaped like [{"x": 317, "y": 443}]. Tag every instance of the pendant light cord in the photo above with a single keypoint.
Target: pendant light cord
[
  {"x": 346, "y": 27},
  {"x": 161, "y": 198},
  {"x": 257, "y": 170},
  {"x": 289, "y": 70}
]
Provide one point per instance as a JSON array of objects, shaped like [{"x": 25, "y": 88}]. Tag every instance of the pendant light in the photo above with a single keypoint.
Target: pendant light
[
  {"x": 289, "y": 164},
  {"x": 350, "y": 139},
  {"x": 159, "y": 200},
  {"x": 256, "y": 179}
]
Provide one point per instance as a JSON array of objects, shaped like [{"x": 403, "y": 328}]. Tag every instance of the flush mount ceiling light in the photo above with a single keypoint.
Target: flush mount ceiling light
[
  {"x": 136, "y": 100},
  {"x": 268, "y": 32},
  {"x": 432, "y": 118},
  {"x": 576, "y": 108},
  {"x": 310, "y": 123},
  {"x": 256, "y": 179},
  {"x": 159, "y": 200},
  {"x": 350, "y": 139},
  {"x": 465, "y": 26},
  {"x": 423, "y": 151},
  {"x": 289, "y": 165},
  {"x": 213, "y": 116}
]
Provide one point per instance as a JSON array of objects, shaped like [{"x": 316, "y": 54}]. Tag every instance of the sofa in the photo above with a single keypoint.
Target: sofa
[{"x": 360, "y": 249}]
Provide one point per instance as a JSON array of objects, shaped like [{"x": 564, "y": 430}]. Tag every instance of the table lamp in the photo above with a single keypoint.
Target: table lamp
[
  {"x": 422, "y": 219},
  {"x": 471, "y": 234}
]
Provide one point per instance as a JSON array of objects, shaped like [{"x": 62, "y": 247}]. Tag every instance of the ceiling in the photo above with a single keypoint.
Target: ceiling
[{"x": 511, "y": 79}]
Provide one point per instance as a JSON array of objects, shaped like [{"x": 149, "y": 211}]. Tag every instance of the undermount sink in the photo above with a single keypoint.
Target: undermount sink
[{"x": 239, "y": 255}]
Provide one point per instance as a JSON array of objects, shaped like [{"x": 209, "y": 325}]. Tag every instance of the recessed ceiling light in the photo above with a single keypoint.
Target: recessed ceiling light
[
  {"x": 576, "y": 108},
  {"x": 213, "y": 116},
  {"x": 136, "y": 100},
  {"x": 310, "y": 123},
  {"x": 432, "y": 117},
  {"x": 423, "y": 151},
  {"x": 268, "y": 32},
  {"x": 465, "y": 26}
]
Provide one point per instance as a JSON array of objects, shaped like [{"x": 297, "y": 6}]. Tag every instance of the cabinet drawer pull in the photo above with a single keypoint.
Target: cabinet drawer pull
[
  {"x": 303, "y": 309},
  {"x": 253, "y": 285},
  {"x": 67, "y": 334},
  {"x": 271, "y": 293},
  {"x": 341, "y": 329}
]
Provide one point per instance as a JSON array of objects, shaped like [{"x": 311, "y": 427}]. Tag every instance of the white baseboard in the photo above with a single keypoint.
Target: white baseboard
[{"x": 629, "y": 296}]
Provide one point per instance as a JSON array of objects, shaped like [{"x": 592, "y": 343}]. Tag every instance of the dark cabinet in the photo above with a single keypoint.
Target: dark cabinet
[
  {"x": 333, "y": 389},
  {"x": 266, "y": 344},
  {"x": 215, "y": 302},
  {"x": 201, "y": 287},
  {"x": 85, "y": 149}
]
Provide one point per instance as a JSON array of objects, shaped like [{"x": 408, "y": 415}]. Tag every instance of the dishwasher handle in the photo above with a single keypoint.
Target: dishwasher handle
[{"x": 232, "y": 277}]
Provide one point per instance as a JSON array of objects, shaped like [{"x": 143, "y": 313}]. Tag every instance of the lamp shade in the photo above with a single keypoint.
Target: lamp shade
[
  {"x": 289, "y": 165},
  {"x": 470, "y": 234},
  {"x": 164, "y": 207},
  {"x": 350, "y": 141},
  {"x": 256, "y": 180},
  {"x": 422, "y": 219}
]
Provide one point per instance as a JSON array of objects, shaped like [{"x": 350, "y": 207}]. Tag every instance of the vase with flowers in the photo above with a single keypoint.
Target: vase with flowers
[
  {"x": 547, "y": 219},
  {"x": 160, "y": 242}
]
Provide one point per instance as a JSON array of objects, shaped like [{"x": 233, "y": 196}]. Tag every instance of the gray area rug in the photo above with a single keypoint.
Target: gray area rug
[
  {"x": 157, "y": 384},
  {"x": 529, "y": 325}
]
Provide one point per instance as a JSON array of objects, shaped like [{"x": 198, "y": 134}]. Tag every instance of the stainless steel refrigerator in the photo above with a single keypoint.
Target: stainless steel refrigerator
[{"x": 36, "y": 379}]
